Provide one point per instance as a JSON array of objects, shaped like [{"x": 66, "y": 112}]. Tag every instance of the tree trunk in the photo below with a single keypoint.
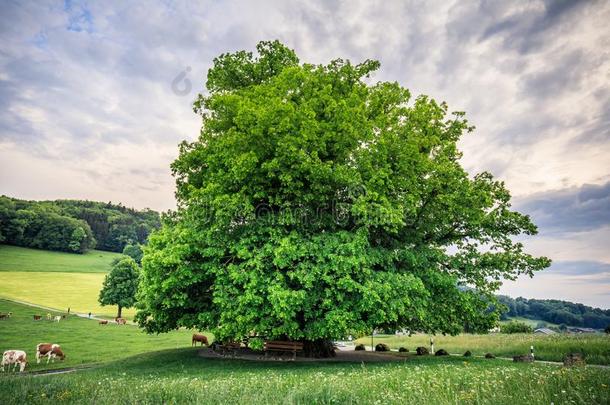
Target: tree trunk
[
  {"x": 119, "y": 313},
  {"x": 318, "y": 348}
]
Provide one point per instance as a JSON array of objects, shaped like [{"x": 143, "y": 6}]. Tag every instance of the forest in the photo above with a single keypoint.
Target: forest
[
  {"x": 556, "y": 311},
  {"x": 73, "y": 225}
]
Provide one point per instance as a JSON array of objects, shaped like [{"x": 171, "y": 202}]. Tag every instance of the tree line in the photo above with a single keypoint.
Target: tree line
[
  {"x": 73, "y": 225},
  {"x": 556, "y": 311}
]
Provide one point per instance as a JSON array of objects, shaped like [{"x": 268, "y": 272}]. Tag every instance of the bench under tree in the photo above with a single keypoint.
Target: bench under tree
[{"x": 283, "y": 346}]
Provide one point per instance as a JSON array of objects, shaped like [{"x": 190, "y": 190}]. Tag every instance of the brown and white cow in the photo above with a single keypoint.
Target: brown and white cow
[
  {"x": 51, "y": 350},
  {"x": 14, "y": 357},
  {"x": 120, "y": 321},
  {"x": 199, "y": 338},
  {"x": 103, "y": 322},
  {"x": 37, "y": 317}
]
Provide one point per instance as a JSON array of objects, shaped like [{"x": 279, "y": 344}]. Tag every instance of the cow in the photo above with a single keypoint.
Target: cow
[
  {"x": 120, "y": 321},
  {"x": 57, "y": 318},
  {"x": 199, "y": 338},
  {"x": 5, "y": 316},
  {"x": 51, "y": 350},
  {"x": 49, "y": 316},
  {"x": 103, "y": 322},
  {"x": 37, "y": 317},
  {"x": 14, "y": 357}
]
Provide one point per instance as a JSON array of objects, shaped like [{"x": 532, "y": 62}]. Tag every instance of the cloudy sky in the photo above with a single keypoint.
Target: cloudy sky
[{"x": 94, "y": 98}]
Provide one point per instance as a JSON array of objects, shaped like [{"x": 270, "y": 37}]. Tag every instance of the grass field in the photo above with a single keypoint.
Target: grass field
[
  {"x": 180, "y": 376},
  {"x": 84, "y": 341},
  {"x": 55, "y": 279},
  {"x": 13, "y": 258},
  {"x": 128, "y": 366},
  {"x": 551, "y": 348},
  {"x": 78, "y": 291}
]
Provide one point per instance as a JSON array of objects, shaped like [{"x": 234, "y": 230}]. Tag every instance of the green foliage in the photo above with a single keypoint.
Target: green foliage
[
  {"x": 607, "y": 330},
  {"x": 134, "y": 251},
  {"x": 30, "y": 225},
  {"x": 73, "y": 225},
  {"x": 516, "y": 327},
  {"x": 314, "y": 205},
  {"x": 360, "y": 347},
  {"x": 556, "y": 311},
  {"x": 403, "y": 350},
  {"x": 121, "y": 284}
]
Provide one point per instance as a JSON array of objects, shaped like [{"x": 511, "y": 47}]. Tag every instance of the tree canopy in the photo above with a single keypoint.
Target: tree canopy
[
  {"x": 314, "y": 205},
  {"x": 121, "y": 284}
]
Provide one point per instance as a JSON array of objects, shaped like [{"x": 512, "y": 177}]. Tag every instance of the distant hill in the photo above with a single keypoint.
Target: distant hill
[
  {"x": 556, "y": 312},
  {"x": 73, "y": 225}
]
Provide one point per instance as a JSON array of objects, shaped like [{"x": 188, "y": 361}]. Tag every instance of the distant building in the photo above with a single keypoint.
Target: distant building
[
  {"x": 545, "y": 331},
  {"x": 581, "y": 330}
]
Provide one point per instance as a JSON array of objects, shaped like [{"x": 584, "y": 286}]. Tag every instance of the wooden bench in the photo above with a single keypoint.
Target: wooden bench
[
  {"x": 226, "y": 348},
  {"x": 283, "y": 346}
]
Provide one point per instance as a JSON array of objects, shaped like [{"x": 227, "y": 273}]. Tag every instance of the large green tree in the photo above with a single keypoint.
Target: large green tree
[
  {"x": 314, "y": 204},
  {"x": 121, "y": 284}
]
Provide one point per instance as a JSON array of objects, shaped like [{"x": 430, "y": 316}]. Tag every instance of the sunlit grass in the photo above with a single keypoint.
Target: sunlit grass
[
  {"x": 596, "y": 347},
  {"x": 84, "y": 341},
  {"x": 77, "y": 291},
  {"x": 13, "y": 258}
]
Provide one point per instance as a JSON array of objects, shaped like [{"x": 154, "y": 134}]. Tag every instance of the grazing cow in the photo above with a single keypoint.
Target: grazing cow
[
  {"x": 199, "y": 338},
  {"x": 57, "y": 318},
  {"x": 103, "y": 322},
  {"x": 51, "y": 350},
  {"x": 37, "y": 317},
  {"x": 14, "y": 357},
  {"x": 5, "y": 316},
  {"x": 120, "y": 321}
]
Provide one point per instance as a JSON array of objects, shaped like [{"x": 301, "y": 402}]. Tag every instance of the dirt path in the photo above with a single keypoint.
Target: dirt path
[
  {"x": 342, "y": 356},
  {"x": 79, "y": 314},
  {"x": 56, "y": 371}
]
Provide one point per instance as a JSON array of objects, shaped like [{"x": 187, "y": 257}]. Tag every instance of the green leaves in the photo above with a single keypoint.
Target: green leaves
[
  {"x": 121, "y": 284},
  {"x": 314, "y": 205}
]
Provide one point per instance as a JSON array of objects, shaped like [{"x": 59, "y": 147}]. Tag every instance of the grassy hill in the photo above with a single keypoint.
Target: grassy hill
[
  {"x": 14, "y": 258},
  {"x": 83, "y": 340},
  {"x": 531, "y": 322},
  {"x": 55, "y": 279}
]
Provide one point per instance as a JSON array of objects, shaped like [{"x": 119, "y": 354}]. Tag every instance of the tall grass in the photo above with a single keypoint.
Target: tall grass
[
  {"x": 596, "y": 347},
  {"x": 179, "y": 376}
]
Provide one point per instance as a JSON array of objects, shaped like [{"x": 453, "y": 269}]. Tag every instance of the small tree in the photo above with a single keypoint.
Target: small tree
[
  {"x": 121, "y": 284},
  {"x": 607, "y": 330},
  {"x": 134, "y": 251}
]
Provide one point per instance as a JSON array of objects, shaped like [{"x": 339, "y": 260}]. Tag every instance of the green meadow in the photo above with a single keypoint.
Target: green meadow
[
  {"x": 180, "y": 376},
  {"x": 596, "y": 347},
  {"x": 121, "y": 364},
  {"x": 56, "y": 280},
  {"x": 14, "y": 258},
  {"x": 84, "y": 341}
]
